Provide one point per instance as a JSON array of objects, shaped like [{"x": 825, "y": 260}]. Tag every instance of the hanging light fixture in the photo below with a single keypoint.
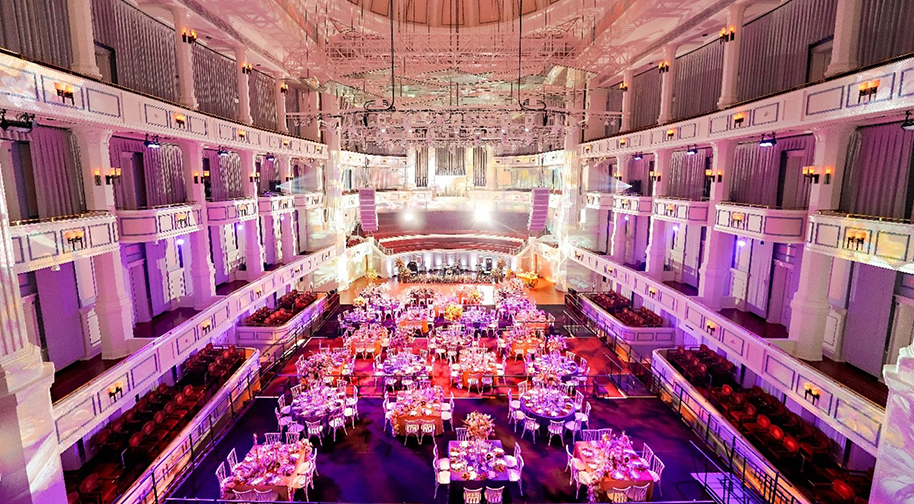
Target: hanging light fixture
[
  {"x": 908, "y": 124},
  {"x": 692, "y": 150},
  {"x": 152, "y": 143},
  {"x": 768, "y": 142},
  {"x": 23, "y": 123}
]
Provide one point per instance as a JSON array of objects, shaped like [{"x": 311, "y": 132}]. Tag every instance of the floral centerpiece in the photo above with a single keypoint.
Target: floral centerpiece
[
  {"x": 420, "y": 293},
  {"x": 555, "y": 343},
  {"x": 512, "y": 289},
  {"x": 469, "y": 294},
  {"x": 479, "y": 426},
  {"x": 529, "y": 278},
  {"x": 403, "y": 272},
  {"x": 453, "y": 312},
  {"x": 371, "y": 275},
  {"x": 360, "y": 302}
]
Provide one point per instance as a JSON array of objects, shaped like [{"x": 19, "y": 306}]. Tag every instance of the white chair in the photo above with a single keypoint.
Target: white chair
[
  {"x": 555, "y": 428},
  {"x": 315, "y": 428},
  {"x": 443, "y": 463},
  {"x": 574, "y": 426},
  {"x": 516, "y": 474},
  {"x": 513, "y": 404},
  {"x": 442, "y": 477},
  {"x": 657, "y": 467},
  {"x": 487, "y": 382},
  {"x": 282, "y": 421},
  {"x": 522, "y": 388},
  {"x": 273, "y": 437},
  {"x": 221, "y": 476},
  {"x": 283, "y": 408},
  {"x": 580, "y": 477},
  {"x": 448, "y": 405},
  {"x": 511, "y": 460},
  {"x": 583, "y": 417},
  {"x": 292, "y": 437},
  {"x": 336, "y": 423},
  {"x": 427, "y": 428},
  {"x": 473, "y": 381},
  {"x": 461, "y": 433},
  {"x": 637, "y": 493},
  {"x": 472, "y": 496},
  {"x": 294, "y": 428},
  {"x": 246, "y": 496},
  {"x": 412, "y": 428},
  {"x": 232, "y": 460},
  {"x": 647, "y": 454},
  {"x": 495, "y": 495},
  {"x": 578, "y": 401},
  {"x": 531, "y": 425},
  {"x": 447, "y": 414},
  {"x": 265, "y": 496},
  {"x": 590, "y": 434},
  {"x": 617, "y": 494},
  {"x": 296, "y": 391},
  {"x": 606, "y": 432}
]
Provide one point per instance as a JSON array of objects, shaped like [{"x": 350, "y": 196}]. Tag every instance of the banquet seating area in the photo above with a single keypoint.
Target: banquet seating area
[{"x": 620, "y": 307}]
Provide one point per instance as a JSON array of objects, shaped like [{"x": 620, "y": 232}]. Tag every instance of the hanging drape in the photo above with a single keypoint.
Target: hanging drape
[
  {"x": 162, "y": 171},
  {"x": 144, "y": 49},
  {"x": 263, "y": 99},
  {"x": 687, "y": 174},
  {"x": 755, "y": 174},
  {"x": 480, "y": 162},
  {"x": 638, "y": 170},
  {"x": 696, "y": 87},
  {"x": 37, "y": 29},
  {"x": 268, "y": 173},
  {"x": 885, "y": 30},
  {"x": 774, "y": 53},
  {"x": 215, "y": 83},
  {"x": 225, "y": 175},
  {"x": 55, "y": 166},
  {"x": 877, "y": 175},
  {"x": 645, "y": 91}
]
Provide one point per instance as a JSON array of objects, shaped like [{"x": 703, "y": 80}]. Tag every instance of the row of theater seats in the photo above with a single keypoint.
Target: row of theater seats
[
  {"x": 129, "y": 443},
  {"x": 797, "y": 448},
  {"x": 618, "y": 306}
]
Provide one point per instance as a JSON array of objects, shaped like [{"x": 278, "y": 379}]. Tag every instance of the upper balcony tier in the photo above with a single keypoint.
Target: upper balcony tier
[
  {"x": 219, "y": 213},
  {"x": 680, "y": 210},
  {"x": 309, "y": 201},
  {"x": 878, "y": 241},
  {"x": 145, "y": 225},
  {"x": 761, "y": 222},
  {"x": 42, "y": 243},
  {"x": 599, "y": 201},
  {"x": 277, "y": 204},
  {"x": 632, "y": 204}
]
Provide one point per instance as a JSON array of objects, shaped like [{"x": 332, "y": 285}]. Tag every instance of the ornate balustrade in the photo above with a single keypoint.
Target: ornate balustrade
[
  {"x": 878, "y": 241},
  {"x": 761, "y": 222},
  {"x": 40, "y": 244},
  {"x": 599, "y": 201},
  {"x": 220, "y": 213},
  {"x": 636, "y": 336},
  {"x": 158, "y": 223},
  {"x": 632, "y": 204},
  {"x": 310, "y": 200},
  {"x": 279, "y": 204},
  {"x": 269, "y": 340},
  {"x": 682, "y": 211}
]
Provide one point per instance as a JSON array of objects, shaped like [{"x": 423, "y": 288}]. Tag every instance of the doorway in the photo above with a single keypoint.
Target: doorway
[{"x": 780, "y": 296}]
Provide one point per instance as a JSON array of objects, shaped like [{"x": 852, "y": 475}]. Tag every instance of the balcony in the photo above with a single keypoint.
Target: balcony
[
  {"x": 632, "y": 204},
  {"x": 40, "y": 244},
  {"x": 394, "y": 200},
  {"x": 877, "y": 241},
  {"x": 151, "y": 224},
  {"x": 761, "y": 222},
  {"x": 271, "y": 339},
  {"x": 275, "y": 205},
  {"x": 640, "y": 336},
  {"x": 681, "y": 210},
  {"x": 309, "y": 201},
  {"x": 220, "y": 213},
  {"x": 599, "y": 201}
]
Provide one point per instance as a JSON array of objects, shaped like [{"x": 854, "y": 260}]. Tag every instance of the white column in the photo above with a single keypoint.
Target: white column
[
  {"x": 893, "y": 477},
  {"x": 718, "y": 250},
  {"x": 82, "y": 38},
  {"x": 333, "y": 189},
  {"x": 627, "y": 77},
  {"x": 847, "y": 35},
  {"x": 29, "y": 461},
  {"x": 113, "y": 305},
  {"x": 667, "y": 81},
  {"x": 253, "y": 246},
  {"x": 286, "y": 227},
  {"x": 731, "y": 56},
  {"x": 656, "y": 247},
  {"x": 202, "y": 271},
  {"x": 244, "y": 92},
  {"x": 810, "y": 304},
  {"x": 185, "y": 59},
  {"x": 280, "y": 104}
]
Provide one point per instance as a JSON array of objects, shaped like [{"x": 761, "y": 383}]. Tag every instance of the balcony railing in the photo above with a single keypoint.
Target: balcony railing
[
  {"x": 779, "y": 225},
  {"x": 878, "y": 241},
  {"x": 309, "y": 200},
  {"x": 632, "y": 204},
  {"x": 157, "y": 223},
  {"x": 599, "y": 201},
  {"x": 41, "y": 243},
  {"x": 680, "y": 210},
  {"x": 277, "y": 204},
  {"x": 219, "y": 213}
]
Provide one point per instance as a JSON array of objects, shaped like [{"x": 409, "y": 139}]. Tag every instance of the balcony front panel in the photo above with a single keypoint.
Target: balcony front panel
[
  {"x": 309, "y": 201},
  {"x": 158, "y": 223},
  {"x": 682, "y": 211},
  {"x": 761, "y": 223},
  {"x": 632, "y": 205},
  {"x": 641, "y": 336},
  {"x": 599, "y": 201},
  {"x": 42, "y": 244},
  {"x": 877, "y": 241},
  {"x": 220, "y": 213},
  {"x": 272, "y": 340},
  {"x": 276, "y": 205}
]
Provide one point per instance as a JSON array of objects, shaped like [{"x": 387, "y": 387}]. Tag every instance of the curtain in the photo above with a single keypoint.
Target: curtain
[
  {"x": 144, "y": 49},
  {"x": 263, "y": 99},
  {"x": 755, "y": 176},
  {"x": 696, "y": 87},
  {"x": 774, "y": 52},
  {"x": 645, "y": 89},
  {"x": 55, "y": 166},
  {"x": 687, "y": 174},
  {"x": 877, "y": 175},
  {"x": 215, "y": 83},
  {"x": 268, "y": 173},
  {"x": 885, "y": 30},
  {"x": 480, "y": 162},
  {"x": 638, "y": 170},
  {"x": 293, "y": 105},
  {"x": 37, "y": 29},
  {"x": 163, "y": 172},
  {"x": 224, "y": 175}
]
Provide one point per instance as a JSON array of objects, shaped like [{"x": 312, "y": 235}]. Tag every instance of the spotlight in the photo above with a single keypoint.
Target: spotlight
[
  {"x": 152, "y": 143},
  {"x": 270, "y": 157},
  {"x": 675, "y": 227},
  {"x": 179, "y": 242},
  {"x": 741, "y": 243},
  {"x": 408, "y": 216},
  {"x": 222, "y": 152},
  {"x": 481, "y": 215},
  {"x": 768, "y": 142},
  {"x": 692, "y": 150},
  {"x": 638, "y": 156},
  {"x": 907, "y": 125},
  {"x": 626, "y": 218},
  {"x": 23, "y": 123}
]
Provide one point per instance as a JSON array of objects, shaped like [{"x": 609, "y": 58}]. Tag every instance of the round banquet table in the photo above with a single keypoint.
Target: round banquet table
[
  {"x": 558, "y": 365},
  {"x": 586, "y": 452},
  {"x": 318, "y": 403},
  {"x": 564, "y": 415}
]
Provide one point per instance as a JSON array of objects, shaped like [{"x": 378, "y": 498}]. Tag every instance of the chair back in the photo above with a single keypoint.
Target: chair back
[
  {"x": 472, "y": 496},
  {"x": 265, "y": 495},
  {"x": 296, "y": 391},
  {"x": 657, "y": 467},
  {"x": 494, "y": 495},
  {"x": 637, "y": 493},
  {"x": 314, "y": 427},
  {"x": 590, "y": 434},
  {"x": 647, "y": 454},
  {"x": 245, "y": 496},
  {"x": 221, "y": 474},
  {"x": 273, "y": 437},
  {"x": 293, "y": 437},
  {"x": 461, "y": 433},
  {"x": 232, "y": 459},
  {"x": 617, "y": 494}
]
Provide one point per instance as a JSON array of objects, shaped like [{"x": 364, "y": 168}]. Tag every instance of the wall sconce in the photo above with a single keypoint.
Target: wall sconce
[
  {"x": 664, "y": 67},
  {"x": 618, "y": 176},
  {"x": 258, "y": 291},
  {"x": 283, "y": 88},
  {"x": 188, "y": 36},
  {"x": 622, "y": 142},
  {"x": 709, "y": 175},
  {"x": 811, "y": 393},
  {"x": 285, "y": 142},
  {"x": 855, "y": 239},
  {"x": 113, "y": 176},
  {"x": 181, "y": 220},
  {"x": 255, "y": 176},
  {"x": 737, "y": 219},
  {"x": 867, "y": 90},
  {"x": 246, "y": 68},
  {"x": 710, "y": 327},
  {"x": 652, "y": 291},
  {"x": 181, "y": 120},
  {"x": 586, "y": 151},
  {"x": 115, "y": 391},
  {"x": 670, "y": 210},
  {"x": 809, "y": 173},
  {"x": 319, "y": 148},
  {"x": 205, "y": 175},
  {"x": 623, "y": 86},
  {"x": 196, "y": 177},
  {"x": 98, "y": 176},
  {"x": 242, "y": 134},
  {"x": 670, "y": 133},
  {"x": 65, "y": 92},
  {"x": 727, "y": 34},
  {"x": 206, "y": 326},
  {"x": 739, "y": 118},
  {"x": 655, "y": 176},
  {"x": 76, "y": 239}
]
